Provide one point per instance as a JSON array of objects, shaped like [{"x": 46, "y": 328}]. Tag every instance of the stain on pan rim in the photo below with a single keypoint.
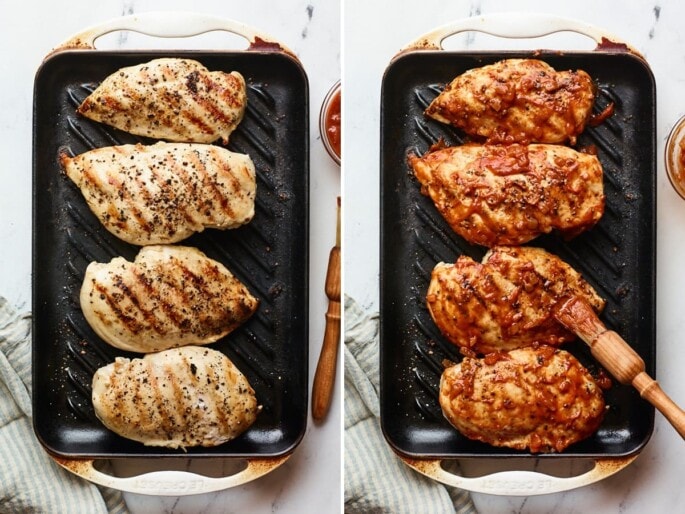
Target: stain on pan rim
[
  {"x": 618, "y": 256},
  {"x": 270, "y": 255}
]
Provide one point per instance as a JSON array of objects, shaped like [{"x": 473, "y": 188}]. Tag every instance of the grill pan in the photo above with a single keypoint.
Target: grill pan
[
  {"x": 269, "y": 255},
  {"x": 617, "y": 256}
]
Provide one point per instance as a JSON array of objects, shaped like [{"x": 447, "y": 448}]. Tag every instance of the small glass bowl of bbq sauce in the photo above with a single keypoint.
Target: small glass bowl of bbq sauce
[
  {"x": 329, "y": 122},
  {"x": 675, "y": 157}
]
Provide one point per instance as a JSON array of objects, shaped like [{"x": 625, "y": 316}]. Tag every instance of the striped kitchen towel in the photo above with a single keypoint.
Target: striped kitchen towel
[
  {"x": 30, "y": 482},
  {"x": 376, "y": 480}
]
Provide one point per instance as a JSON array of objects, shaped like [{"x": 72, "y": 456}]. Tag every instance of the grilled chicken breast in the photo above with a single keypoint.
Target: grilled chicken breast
[
  {"x": 537, "y": 398},
  {"x": 168, "y": 296},
  {"x": 517, "y": 100},
  {"x": 165, "y": 192},
  {"x": 170, "y": 99},
  {"x": 177, "y": 398},
  {"x": 506, "y": 302},
  {"x": 510, "y": 194}
]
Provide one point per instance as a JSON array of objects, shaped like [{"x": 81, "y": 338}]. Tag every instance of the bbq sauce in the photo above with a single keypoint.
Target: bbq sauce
[
  {"x": 675, "y": 157},
  {"x": 329, "y": 122},
  {"x": 333, "y": 123}
]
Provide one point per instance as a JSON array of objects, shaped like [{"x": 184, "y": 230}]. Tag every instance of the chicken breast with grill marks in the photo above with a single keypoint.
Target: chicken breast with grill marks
[
  {"x": 175, "y": 399},
  {"x": 517, "y": 100},
  {"x": 510, "y": 194},
  {"x": 506, "y": 302},
  {"x": 171, "y": 99},
  {"x": 168, "y": 296},
  {"x": 165, "y": 192},
  {"x": 537, "y": 398}
]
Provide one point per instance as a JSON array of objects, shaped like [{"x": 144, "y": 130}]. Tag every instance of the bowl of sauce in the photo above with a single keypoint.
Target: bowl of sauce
[
  {"x": 675, "y": 157},
  {"x": 329, "y": 122}
]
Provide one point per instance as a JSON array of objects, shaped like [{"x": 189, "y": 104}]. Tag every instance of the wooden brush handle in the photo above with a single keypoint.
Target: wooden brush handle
[
  {"x": 324, "y": 378},
  {"x": 618, "y": 358}
]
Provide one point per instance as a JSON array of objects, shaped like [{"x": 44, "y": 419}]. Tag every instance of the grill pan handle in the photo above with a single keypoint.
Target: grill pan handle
[
  {"x": 171, "y": 483},
  {"x": 172, "y": 24},
  {"x": 519, "y": 483},
  {"x": 518, "y": 25}
]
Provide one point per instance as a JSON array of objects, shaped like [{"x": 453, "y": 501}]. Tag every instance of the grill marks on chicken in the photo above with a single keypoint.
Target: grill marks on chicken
[
  {"x": 177, "y": 398},
  {"x": 521, "y": 183},
  {"x": 505, "y": 302},
  {"x": 510, "y": 194},
  {"x": 537, "y": 398},
  {"x": 168, "y": 296},
  {"x": 517, "y": 100},
  {"x": 171, "y": 99},
  {"x": 165, "y": 192}
]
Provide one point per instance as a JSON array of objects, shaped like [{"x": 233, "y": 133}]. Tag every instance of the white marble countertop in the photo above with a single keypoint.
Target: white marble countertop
[
  {"x": 310, "y": 480},
  {"x": 653, "y": 482}
]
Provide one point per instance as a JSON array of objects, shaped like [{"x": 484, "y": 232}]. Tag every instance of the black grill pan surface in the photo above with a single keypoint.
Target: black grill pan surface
[
  {"x": 617, "y": 256},
  {"x": 269, "y": 255}
]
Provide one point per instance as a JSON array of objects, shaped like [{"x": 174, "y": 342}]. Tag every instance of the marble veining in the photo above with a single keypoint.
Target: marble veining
[
  {"x": 657, "y": 13},
  {"x": 310, "y": 14}
]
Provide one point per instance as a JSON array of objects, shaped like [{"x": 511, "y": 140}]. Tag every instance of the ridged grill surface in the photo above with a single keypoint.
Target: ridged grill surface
[
  {"x": 616, "y": 256},
  {"x": 269, "y": 255}
]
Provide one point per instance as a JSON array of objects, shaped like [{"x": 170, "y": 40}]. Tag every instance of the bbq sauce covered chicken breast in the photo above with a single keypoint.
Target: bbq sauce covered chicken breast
[
  {"x": 170, "y": 99},
  {"x": 510, "y": 194},
  {"x": 168, "y": 296},
  {"x": 177, "y": 398},
  {"x": 537, "y": 398},
  {"x": 165, "y": 192},
  {"x": 505, "y": 302},
  {"x": 517, "y": 100}
]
